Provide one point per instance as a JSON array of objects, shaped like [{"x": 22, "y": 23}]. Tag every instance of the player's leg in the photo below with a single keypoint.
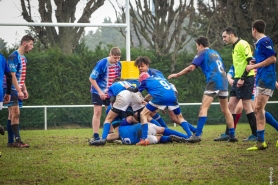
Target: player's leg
[
  {"x": 112, "y": 114},
  {"x": 159, "y": 119},
  {"x": 239, "y": 109},
  {"x": 261, "y": 101},
  {"x": 15, "y": 113},
  {"x": 251, "y": 117},
  {"x": 206, "y": 102},
  {"x": 271, "y": 120},
  {"x": 223, "y": 99},
  {"x": 144, "y": 118},
  {"x": 96, "y": 121},
  {"x": 233, "y": 102},
  {"x": 97, "y": 102}
]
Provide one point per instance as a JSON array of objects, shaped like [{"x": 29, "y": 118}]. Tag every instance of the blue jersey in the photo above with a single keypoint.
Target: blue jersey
[
  {"x": 17, "y": 64},
  {"x": 160, "y": 90},
  {"x": 4, "y": 68},
  {"x": 266, "y": 76},
  {"x": 213, "y": 68},
  {"x": 155, "y": 73},
  {"x": 232, "y": 71},
  {"x": 117, "y": 87},
  {"x": 104, "y": 73},
  {"x": 130, "y": 134}
]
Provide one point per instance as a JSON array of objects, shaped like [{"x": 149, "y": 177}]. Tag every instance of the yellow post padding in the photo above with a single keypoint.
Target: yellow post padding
[{"x": 129, "y": 71}]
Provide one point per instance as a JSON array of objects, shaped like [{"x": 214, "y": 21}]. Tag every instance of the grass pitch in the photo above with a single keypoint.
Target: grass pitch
[{"x": 64, "y": 157}]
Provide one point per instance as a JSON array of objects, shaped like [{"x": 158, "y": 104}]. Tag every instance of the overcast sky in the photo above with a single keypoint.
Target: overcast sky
[{"x": 10, "y": 13}]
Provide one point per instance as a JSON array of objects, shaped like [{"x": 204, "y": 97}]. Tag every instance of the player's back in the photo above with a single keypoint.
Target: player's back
[
  {"x": 130, "y": 134},
  {"x": 117, "y": 87},
  {"x": 214, "y": 70},
  {"x": 160, "y": 90}
]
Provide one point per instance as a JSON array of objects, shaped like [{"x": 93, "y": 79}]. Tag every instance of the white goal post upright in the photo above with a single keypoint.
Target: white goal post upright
[{"x": 126, "y": 25}]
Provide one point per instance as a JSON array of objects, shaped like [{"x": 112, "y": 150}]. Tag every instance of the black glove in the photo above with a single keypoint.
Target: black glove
[{"x": 98, "y": 142}]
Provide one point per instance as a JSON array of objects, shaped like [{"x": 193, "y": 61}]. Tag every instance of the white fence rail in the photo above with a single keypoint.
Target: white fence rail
[{"x": 45, "y": 107}]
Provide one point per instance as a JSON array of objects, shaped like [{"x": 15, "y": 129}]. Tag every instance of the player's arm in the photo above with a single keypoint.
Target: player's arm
[
  {"x": 95, "y": 85},
  {"x": 245, "y": 73},
  {"x": 9, "y": 82},
  {"x": 25, "y": 92},
  {"x": 266, "y": 62},
  {"x": 16, "y": 85},
  {"x": 188, "y": 69}
]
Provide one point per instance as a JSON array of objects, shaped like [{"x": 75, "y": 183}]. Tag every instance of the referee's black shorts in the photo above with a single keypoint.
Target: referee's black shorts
[{"x": 245, "y": 91}]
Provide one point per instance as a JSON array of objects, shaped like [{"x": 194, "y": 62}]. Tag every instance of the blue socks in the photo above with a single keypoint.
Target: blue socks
[
  {"x": 192, "y": 128},
  {"x": 155, "y": 122},
  {"x": 270, "y": 120},
  {"x": 10, "y": 132},
  {"x": 165, "y": 139},
  {"x": 169, "y": 132},
  {"x": 186, "y": 128},
  {"x": 160, "y": 120},
  {"x": 200, "y": 125},
  {"x": 96, "y": 136},
  {"x": 145, "y": 131},
  {"x": 106, "y": 128},
  {"x": 232, "y": 132},
  {"x": 260, "y": 135}
]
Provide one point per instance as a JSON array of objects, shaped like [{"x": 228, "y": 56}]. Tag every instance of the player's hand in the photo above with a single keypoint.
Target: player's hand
[
  {"x": 276, "y": 85},
  {"x": 102, "y": 95},
  {"x": 231, "y": 82},
  {"x": 175, "y": 75},
  {"x": 100, "y": 142},
  {"x": 249, "y": 67},
  {"x": 20, "y": 95},
  {"x": 239, "y": 83},
  {"x": 26, "y": 95},
  {"x": 7, "y": 98},
  {"x": 144, "y": 102},
  {"x": 143, "y": 142}
]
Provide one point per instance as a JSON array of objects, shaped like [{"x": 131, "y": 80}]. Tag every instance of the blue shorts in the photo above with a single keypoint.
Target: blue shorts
[
  {"x": 14, "y": 99},
  {"x": 96, "y": 100}
]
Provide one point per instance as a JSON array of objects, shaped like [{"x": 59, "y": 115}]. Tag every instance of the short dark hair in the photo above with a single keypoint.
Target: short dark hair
[
  {"x": 230, "y": 30},
  {"x": 27, "y": 38},
  {"x": 202, "y": 40},
  {"x": 142, "y": 59},
  {"x": 115, "y": 51},
  {"x": 259, "y": 25}
]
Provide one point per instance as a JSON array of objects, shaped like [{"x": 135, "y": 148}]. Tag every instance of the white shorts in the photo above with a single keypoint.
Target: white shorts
[
  {"x": 151, "y": 134},
  {"x": 217, "y": 92},
  {"x": 126, "y": 98},
  {"x": 162, "y": 107},
  {"x": 263, "y": 91}
]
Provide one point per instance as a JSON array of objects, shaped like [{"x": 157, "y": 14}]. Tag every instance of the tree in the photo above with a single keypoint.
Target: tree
[
  {"x": 3, "y": 45},
  {"x": 215, "y": 15},
  {"x": 64, "y": 37},
  {"x": 166, "y": 27},
  {"x": 105, "y": 36}
]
